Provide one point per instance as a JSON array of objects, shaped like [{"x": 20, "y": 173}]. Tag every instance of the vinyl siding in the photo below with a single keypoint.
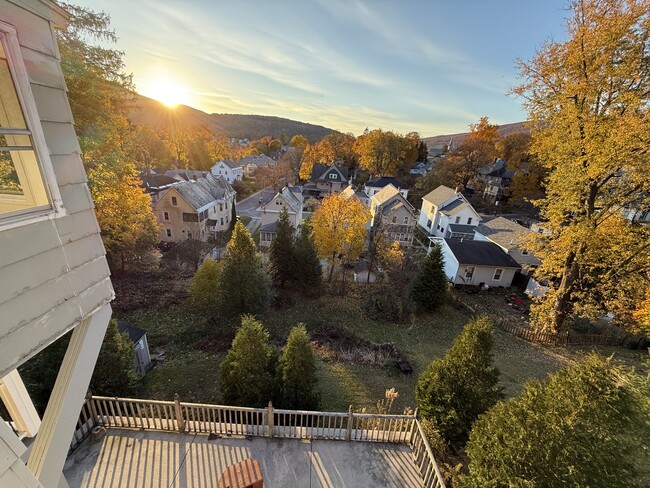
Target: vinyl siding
[{"x": 53, "y": 273}]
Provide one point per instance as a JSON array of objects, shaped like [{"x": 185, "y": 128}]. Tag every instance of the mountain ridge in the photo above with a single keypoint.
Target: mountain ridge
[
  {"x": 158, "y": 116},
  {"x": 504, "y": 130}
]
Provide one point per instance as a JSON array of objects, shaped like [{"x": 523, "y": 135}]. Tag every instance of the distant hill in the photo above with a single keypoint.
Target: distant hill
[
  {"x": 504, "y": 130},
  {"x": 158, "y": 116}
]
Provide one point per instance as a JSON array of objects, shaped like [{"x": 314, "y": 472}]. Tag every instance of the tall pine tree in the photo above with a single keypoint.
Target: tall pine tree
[
  {"x": 114, "y": 374},
  {"x": 281, "y": 254},
  {"x": 246, "y": 371},
  {"x": 429, "y": 289},
  {"x": 243, "y": 284},
  {"x": 297, "y": 372},
  {"x": 309, "y": 270},
  {"x": 457, "y": 388}
]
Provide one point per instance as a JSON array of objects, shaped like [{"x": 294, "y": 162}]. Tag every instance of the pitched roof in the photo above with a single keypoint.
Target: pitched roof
[
  {"x": 462, "y": 229},
  {"x": 204, "y": 191},
  {"x": 269, "y": 227},
  {"x": 349, "y": 192},
  {"x": 321, "y": 172},
  {"x": 135, "y": 333},
  {"x": 186, "y": 174},
  {"x": 384, "y": 181},
  {"x": 503, "y": 231},
  {"x": 228, "y": 162},
  {"x": 294, "y": 200},
  {"x": 261, "y": 160},
  {"x": 480, "y": 253},
  {"x": 439, "y": 196},
  {"x": 454, "y": 206},
  {"x": 156, "y": 181}
]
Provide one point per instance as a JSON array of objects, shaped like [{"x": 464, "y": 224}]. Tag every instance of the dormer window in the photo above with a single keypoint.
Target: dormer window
[
  {"x": 27, "y": 182},
  {"x": 333, "y": 176}
]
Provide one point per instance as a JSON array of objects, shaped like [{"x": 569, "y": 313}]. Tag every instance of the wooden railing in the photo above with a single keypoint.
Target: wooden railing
[{"x": 196, "y": 418}]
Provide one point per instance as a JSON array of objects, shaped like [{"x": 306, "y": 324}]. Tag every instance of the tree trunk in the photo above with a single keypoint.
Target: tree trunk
[
  {"x": 329, "y": 278},
  {"x": 563, "y": 305}
]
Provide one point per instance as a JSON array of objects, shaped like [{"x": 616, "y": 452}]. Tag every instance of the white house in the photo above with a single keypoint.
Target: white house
[
  {"x": 474, "y": 263},
  {"x": 229, "y": 169},
  {"x": 53, "y": 270},
  {"x": 508, "y": 235},
  {"x": 141, "y": 359},
  {"x": 372, "y": 187},
  {"x": 290, "y": 197},
  {"x": 447, "y": 213}
]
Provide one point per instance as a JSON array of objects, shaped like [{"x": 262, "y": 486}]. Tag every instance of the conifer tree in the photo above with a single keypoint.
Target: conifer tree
[
  {"x": 243, "y": 285},
  {"x": 246, "y": 371},
  {"x": 457, "y": 388},
  {"x": 583, "y": 426},
  {"x": 205, "y": 285},
  {"x": 297, "y": 372},
  {"x": 281, "y": 253},
  {"x": 429, "y": 289},
  {"x": 309, "y": 270},
  {"x": 233, "y": 217},
  {"x": 114, "y": 373}
]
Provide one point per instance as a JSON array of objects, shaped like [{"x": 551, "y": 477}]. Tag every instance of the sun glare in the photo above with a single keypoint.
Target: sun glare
[{"x": 169, "y": 94}]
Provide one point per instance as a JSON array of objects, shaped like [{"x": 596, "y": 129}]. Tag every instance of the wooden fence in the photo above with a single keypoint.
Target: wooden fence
[
  {"x": 567, "y": 338},
  {"x": 195, "y": 418}
]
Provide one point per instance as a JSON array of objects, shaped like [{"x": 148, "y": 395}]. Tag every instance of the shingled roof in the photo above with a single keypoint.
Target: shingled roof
[
  {"x": 480, "y": 253},
  {"x": 439, "y": 196},
  {"x": 204, "y": 192},
  {"x": 384, "y": 181},
  {"x": 320, "y": 172},
  {"x": 503, "y": 231}
]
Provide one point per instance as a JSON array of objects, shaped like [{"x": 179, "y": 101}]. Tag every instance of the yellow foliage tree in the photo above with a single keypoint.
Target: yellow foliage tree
[
  {"x": 588, "y": 99},
  {"x": 340, "y": 229}
]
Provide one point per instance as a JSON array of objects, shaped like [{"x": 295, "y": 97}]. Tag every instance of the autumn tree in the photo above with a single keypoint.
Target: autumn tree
[
  {"x": 281, "y": 253},
  {"x": 146, "y": 148},
  {"x": 310, "y": 271},
  {"x": 333, "y": 148},
  {"x": 128, "y": 227},
  {"x": 514, "y": 149},
  {"x": 297, "y": 372},
  {"x": 247, "y": 370},
  {"x": 429, "y": 289},
  {"x": 101, "y": 97},
  {"x": 340, "y": 229},
  {"x": 299, "y": 141},
  {"x": 583, "y": 426},
  {"x": 381, "y": 153},
  {"x": 266, "y": 145},
  {"x": 457, "y": 388},
  {"x": 243, "y": 285},
  {"x": 587, "y": 98}
]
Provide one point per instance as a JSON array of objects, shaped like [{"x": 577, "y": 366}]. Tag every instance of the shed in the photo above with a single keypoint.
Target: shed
[{"x": 142, "y": 360}]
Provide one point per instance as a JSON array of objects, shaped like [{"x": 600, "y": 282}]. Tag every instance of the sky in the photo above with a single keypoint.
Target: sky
[{"x": 428, "y": 66}]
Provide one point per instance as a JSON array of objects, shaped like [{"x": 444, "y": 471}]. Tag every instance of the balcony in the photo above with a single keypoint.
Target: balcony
[{"x": 163, "y": 444}]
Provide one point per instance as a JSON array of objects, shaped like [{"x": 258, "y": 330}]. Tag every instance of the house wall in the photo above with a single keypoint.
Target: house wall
[
  {"x": 450, "y": 262},
  {"x": 230, "y": 174},
  {"x": 331, "y": 186},
  {"x": 484, "y": 274},
  {"x": 53, "y": 272},
  {"x": 180, "y": 230},
  {"x": 271, "y": 212},
  {"x": 400, "y": 229},
  {"x": 427, "y": 212},
  {"x": 142, "y": 360}
]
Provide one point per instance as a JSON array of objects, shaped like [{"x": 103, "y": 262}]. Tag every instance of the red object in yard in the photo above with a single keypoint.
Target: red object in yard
[{"x": 516, "y": 300}]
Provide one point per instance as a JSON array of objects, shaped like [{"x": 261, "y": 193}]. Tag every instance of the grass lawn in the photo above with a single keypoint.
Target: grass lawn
[{"x": 191, "y": 365}]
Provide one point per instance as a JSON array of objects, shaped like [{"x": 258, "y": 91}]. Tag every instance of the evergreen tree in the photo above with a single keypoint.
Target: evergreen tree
[
  {"x": 243, "y": 285},
  {"x": 246, "y": 371},
  {"x": 233, "y": 217},
  {"x": 429, "y": 289},
  {"x": 114, "y": 373},
  {"x": 309, "y": 270},
  {"x": 281, "y": 253},
  {"x": 297, "y": 372},
  {"x": 457, "y": 388},
  {"x": 582, "y": 427},
  {"x": 205, "y": 285}
]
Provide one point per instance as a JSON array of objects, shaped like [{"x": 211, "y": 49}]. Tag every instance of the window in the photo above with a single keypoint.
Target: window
[
  {"x": 497, "y": 274},
  {"x": 458, "y": 220},
  {"x": 394, "y": 221},
  {"x": 226, "y": 205},
  {"x": 406, "y": 220},
  {"x": 333, "y": 176},
  {"x": 27, "y": 182},
  {"x": 165, "y": 215},
  {"x": 174, "y": 201},
  {"x": 221, "y": 207},
  {"x": 169, "y": 232},
  {"x": 469, "y": 220},
  {"x": 469, "y": 272},
  {"x": 221, "y": 220},
  {"x": 524, "y": 252},
  {"x": 429, "y": 223}
]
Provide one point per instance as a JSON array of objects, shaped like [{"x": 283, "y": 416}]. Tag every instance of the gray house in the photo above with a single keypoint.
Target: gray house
[{"x": 142, "y": 359}]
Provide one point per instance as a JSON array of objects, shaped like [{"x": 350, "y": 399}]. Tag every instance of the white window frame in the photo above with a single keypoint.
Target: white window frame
[
  {"x": 469, "y": 220},
  {"x": 165, "y": 215},
  {"x": 500, "y": 271},
  {"x": 333, "y": 176},
  {"x": 18, "y": 71}
]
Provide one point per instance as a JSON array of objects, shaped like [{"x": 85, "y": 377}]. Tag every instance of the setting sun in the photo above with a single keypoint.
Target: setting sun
[{"x": 169, "y": 94}]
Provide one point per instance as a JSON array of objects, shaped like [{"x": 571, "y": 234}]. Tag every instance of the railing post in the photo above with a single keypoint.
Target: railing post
[
  {"x": 93, "y": 411},
  {"x": 270, "y": 419},
  {"x": 180, "y": 423},
  {"x": 348, "y": 434}
]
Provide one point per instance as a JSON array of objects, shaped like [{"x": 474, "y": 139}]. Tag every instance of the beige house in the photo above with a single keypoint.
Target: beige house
[
  {"x": 52, "y": 267},
  {"x": 195, "y": 209},
  {"x": 250, "y": 164},
  {"x": 290, "y": 197},
  {"x": 391, "y": 212},
  {"x": 325, "y": 180}
]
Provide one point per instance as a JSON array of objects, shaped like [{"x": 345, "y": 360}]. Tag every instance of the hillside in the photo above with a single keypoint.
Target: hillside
[
  {"x": 505, "y": 129},
  {"x": 158, "y": 116}
]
